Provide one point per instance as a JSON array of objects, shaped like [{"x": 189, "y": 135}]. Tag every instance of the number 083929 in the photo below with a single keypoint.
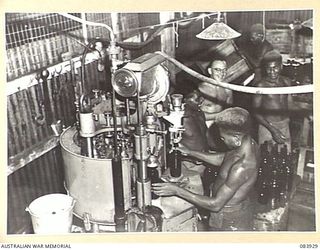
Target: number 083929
[{"x": 308, "y": 246}]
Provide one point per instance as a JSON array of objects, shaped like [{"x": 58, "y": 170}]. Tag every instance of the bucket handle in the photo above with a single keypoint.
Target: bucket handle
[{"x": 27, "y": 209}]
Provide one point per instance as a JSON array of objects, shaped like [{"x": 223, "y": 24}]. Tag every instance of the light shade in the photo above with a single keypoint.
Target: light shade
[{"x": 218, "y": 31}]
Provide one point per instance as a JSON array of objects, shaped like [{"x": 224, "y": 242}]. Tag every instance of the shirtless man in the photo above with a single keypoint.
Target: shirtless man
[
  {"x": 271, "y": 111},
  {"x": 195, "y": 134},
  {"x": 215, "y": 100},
  {"x": 255, "y": 48},
  {"x": 228, "y": 202}
]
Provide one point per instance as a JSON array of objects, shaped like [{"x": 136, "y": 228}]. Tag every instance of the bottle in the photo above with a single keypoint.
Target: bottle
[
  {"x": 274, "y": 158},
  {"x": 174, "y": 162},
  {"x": 263, "y": 164},
  {"x": 207, "y": 179},
  {"x": 282, "y": 173},
  {"x": 153, "y": 174},
  {"x": 263, "y": 197},
  {"x": 263, "y": 184},
  {"x": 289, "y": 173},
  {"x": 274, "y": 191}
]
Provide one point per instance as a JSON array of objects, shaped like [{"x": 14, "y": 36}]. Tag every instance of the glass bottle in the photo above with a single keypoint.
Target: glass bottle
[
  {"x": 274, "y": 191},
  {"x": 174, "y": 163},
  {"x": 153, "y": 174},
  {"x": 264, "y": 193},
  {"x": 289, "y": 173},
  {"x": 282, "y": 173},
  {"x": 263, "y": 168},
  {"x": 207, "y": 179}
]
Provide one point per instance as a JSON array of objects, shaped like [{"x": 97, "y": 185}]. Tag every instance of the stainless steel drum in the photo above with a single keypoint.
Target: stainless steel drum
[{"x": 89, "y": 181}]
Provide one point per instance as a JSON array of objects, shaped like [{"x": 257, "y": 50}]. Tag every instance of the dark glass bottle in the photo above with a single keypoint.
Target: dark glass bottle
[
  {"x": 289, "y": 173},
  {"x": 282, "y": 172},
  {"x": 153, "y": 174},
  {"x": 207, "y": 179},
  {"x": 263, "y": 168},
  {"x": 274, "y": 158},
  {"x": 264, "y": 193},
  {"x": 174, "y": 163},
  {"x": 263, "y": 182},
  {"x": 274, "y": 191}
]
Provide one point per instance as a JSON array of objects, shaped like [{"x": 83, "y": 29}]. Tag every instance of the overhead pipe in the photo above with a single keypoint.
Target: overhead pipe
[{"x": 251, "y": 90}]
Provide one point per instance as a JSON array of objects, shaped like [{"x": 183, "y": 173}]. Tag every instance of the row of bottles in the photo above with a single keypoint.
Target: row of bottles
[{"x": 275, "y": 175}]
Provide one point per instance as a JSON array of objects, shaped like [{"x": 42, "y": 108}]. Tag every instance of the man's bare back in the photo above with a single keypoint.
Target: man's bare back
[{"x": 242, "y": 160}]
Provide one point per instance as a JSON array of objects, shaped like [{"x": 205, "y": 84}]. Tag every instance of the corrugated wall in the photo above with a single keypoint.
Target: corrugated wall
[
  {"x": 45, "y": 174},
  {"x": 27, "y": 121}
]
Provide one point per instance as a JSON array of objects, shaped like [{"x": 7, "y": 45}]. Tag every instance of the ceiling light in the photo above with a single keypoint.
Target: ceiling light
[{"x": 218, "y": 31}]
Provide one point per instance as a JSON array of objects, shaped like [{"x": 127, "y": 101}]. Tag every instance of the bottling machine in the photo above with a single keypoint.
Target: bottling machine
[{"x": 122, "y": 142}]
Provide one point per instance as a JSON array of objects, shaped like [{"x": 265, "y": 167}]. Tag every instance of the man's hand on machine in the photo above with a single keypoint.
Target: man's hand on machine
[{"x": 165, "y": 189}]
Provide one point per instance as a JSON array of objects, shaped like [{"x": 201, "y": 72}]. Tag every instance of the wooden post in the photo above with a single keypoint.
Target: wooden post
[
  {"x": 168, "y": 43},
  {"x": 84, "y": 29}
]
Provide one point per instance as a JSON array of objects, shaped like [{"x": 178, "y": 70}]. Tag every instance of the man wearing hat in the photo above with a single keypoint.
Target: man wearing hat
[{"x": 271, "y": 111}]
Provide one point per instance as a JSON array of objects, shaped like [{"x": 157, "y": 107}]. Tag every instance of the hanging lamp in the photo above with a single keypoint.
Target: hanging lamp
[{"x": 218, "y": 31}]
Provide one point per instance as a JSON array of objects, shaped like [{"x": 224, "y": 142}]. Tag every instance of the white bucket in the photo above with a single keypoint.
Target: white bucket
[{"x": 52, "y": 214}]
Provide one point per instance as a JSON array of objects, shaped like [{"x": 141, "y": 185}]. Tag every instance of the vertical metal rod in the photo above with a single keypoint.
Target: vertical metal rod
[
  {"x": 89, "y": 147},
  {"x": 119, "y": 216},
  {"x": 114, "y": 117},
  {"x": 128, "y": 111},
  {"x": 164, "y": 146},
  {"x": 141, "y": 164}
]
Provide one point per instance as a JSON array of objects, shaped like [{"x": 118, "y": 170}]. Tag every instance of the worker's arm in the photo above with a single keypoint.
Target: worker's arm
[
  {"x": 236, "y": 178},
  {"x": 276, "y": 133},
  {"x": 213, "y": 158}
]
